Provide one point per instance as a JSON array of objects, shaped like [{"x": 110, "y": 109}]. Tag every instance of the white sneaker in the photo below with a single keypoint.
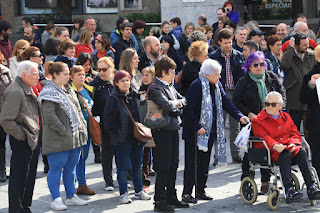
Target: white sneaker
[
  {"x": 76, "y": 201},
  {"x": 109, "y": 188},
  {"x": 142, "y": 195},
  {"x": 129, "y": 185},
  {"x": 57, "y": 204},
  {"x": 125, "y": 198}
]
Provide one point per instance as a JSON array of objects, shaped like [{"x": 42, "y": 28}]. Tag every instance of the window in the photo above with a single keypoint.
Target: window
[
  {"x": 45, "y": 7},
  {"x": 101, "y": 6},
  {"x": 131, "y": 4}
]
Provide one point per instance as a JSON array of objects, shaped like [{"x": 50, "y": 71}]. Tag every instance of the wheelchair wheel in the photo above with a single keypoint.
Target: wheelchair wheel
[
  {"x": 295, "y": 181},
  {"x": 249, "y": 190},
  {"x": 312, "y": 202},
  {"x": 273, "y": 200}
]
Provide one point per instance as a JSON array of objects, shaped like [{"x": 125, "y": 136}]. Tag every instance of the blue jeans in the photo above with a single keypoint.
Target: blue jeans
[
  {"x": 66, "y": 160},
  {"x": 81, "y": 166},
  {"x": 133, "y": 152}
]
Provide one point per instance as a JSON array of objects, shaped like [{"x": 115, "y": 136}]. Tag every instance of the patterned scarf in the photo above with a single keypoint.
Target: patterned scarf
[
  {"x": 222, "y": 157},
  {"x": 52, "y": 92},
  {"x": 206, "y": 116}
]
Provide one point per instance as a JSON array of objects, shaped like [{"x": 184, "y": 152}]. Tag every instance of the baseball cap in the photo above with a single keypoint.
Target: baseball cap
[{"x": 255, "y": 32}]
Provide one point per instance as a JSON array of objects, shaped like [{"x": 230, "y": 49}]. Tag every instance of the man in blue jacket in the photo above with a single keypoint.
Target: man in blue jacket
[
  {"x": 115, "y": 34},
  {"x": 231, "y": 61}
]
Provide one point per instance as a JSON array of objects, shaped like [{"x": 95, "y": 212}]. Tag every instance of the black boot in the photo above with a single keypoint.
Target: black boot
[
  {"x": 3, "y": 174},
  {"x": 162, "y": 206},
  {"x": 45, "y": 163}
]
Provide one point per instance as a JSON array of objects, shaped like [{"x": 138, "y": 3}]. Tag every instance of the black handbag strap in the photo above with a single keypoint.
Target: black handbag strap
[
  {"x": 153, "y": 84},
  {"x": 128, "y": 110}
]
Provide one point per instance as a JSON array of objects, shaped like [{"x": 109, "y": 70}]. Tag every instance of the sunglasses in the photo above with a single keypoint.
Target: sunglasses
[
  {"x": 102, "y": 69},
  {"x": 273, "y": 104},
  {"x": 38, "y": 55},
  {"x": 257, "y": 64}
]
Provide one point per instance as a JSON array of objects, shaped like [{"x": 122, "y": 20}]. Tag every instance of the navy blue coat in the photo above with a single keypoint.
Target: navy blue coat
[
  {"x": 192, "y": 111},
  {"x": 273, "y": 60},
  {"x": 236, "y": 62}
]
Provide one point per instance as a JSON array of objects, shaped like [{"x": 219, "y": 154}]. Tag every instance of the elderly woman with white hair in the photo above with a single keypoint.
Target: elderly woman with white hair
[
  {"x": 203, "y": 124},
  {"x": 284, "y": 141}
]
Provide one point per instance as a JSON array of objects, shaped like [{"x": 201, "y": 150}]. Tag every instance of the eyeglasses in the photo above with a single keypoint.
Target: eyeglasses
[
  {"x": 172, "y": 71},
  {"x": 273, "y": 104},
  {"x": 257, "y": 64},
  {"x": 22, "y": 48},
  {"x": 40, "y": 55},
  {"x": 102, "y": 69}
]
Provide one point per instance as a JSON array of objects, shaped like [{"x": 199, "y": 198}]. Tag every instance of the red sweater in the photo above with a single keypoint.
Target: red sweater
[{"x": 83, "y": 48}]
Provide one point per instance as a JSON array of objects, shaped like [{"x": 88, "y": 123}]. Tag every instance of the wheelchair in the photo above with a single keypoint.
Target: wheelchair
[{"x": 261, "y": 158}]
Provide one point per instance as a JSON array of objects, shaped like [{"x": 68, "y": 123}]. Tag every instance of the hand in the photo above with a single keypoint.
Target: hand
[
  {"x": 88, "y": 79},
  {"x": 314, "y": 77},
  {"x": 278, "y": 147},
  {"x": 293, "y": 147},
  {"x": 292, "y": 42},
  {"x": 252, "y": 116},
  {"x": 280, "y": 55},
  {"x": 201, "y": 131},
  {"x": 244, "y": 120}
]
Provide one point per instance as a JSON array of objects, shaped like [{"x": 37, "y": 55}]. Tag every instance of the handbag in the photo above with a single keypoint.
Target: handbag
[
  {"x": 94, "y": 126},
  {"x": 151, "y": 114},
  {"x": 140, "y": 132},
  {"x": 242, "y": 138}
]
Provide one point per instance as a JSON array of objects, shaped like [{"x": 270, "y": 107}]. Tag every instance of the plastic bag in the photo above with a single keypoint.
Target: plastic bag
[{"x": 243, "y": 137}]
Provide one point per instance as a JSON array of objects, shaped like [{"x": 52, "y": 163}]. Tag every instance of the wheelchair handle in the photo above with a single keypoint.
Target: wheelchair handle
[{"x": 261, "y": 140}]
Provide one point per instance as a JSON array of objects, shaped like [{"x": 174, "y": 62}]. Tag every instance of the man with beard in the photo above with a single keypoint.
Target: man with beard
[
  {"x": 152, "y": 51},
  {"x": 5, "y": 44},
  {"x": 297, "y": 60},
  {"x": 29, "y": 34}
]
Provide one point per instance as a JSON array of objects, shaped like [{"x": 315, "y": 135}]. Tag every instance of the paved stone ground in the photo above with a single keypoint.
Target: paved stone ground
[{"x": 223, "y": 184}]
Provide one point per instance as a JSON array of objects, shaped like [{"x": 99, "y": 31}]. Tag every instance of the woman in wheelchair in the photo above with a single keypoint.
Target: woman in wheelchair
[{"x": 284, "y": 141}]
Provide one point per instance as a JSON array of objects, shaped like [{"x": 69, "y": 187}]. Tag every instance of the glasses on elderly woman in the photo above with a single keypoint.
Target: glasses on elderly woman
[
  {"x": 258, "y": 64},
  {"x": 103, "y": 69},
  {"x": 273, "y": 104}
]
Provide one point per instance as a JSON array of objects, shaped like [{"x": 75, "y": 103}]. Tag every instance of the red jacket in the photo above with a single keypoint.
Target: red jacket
[
  {"x": 83, "y": 48},
  {"x": 275, "y": 131},
  {"x": 312, "y": 44}
]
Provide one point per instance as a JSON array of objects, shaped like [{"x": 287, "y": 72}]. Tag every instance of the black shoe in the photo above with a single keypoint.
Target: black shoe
[
  {"x": 3, "y": 175},
  {"x": 46, "y": 168},
  {"x": 162, "y": 206},
  {"x": 292, "y": 195},
  {"x": 97, "y": 159},
  {"x": 215, "y": 162},
  {"x": 313, "y": 193},
  {"x": 204, "y": 196},
  {"x": 177, "y": 204},
  {"x": 152, "y": 173},
  {"x": 26, "y": 210},
  {"x": 238, "y": 159},
  {"x": 189, "y": 199}
]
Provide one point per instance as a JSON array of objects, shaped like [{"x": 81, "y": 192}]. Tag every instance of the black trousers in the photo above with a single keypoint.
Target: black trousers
[
  {"x": 107, "y": 151},
  {"x": 167, "y": 160},
  {"x": 285, "y": 161},
  {"x": 3, "y": 136},
  {"x": 314, "y": 141},
  {"x": 265, "y": 173},
  {"x": 23, "y": 170},
  {"x": 203, "y": 160}
]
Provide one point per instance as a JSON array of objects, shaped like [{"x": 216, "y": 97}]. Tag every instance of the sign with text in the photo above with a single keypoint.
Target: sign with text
[{"x": 278, "y": 4}]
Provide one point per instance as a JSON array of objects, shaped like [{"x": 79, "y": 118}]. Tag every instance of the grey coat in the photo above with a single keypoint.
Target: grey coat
[
  {"x": 57, "y": 130},
  {"x": 296, "y": 68},
  {"x": 20, "y": 114}
]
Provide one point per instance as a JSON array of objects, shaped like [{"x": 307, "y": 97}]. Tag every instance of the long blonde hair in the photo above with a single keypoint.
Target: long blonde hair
[
  {"x": 18, "y": 45},
  {"x": 85, "y": 37},
  {"x": 125, "y": 61}
]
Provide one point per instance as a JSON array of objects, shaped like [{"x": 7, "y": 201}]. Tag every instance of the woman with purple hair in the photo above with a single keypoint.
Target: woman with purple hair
[{"x": 249, "y": 97}]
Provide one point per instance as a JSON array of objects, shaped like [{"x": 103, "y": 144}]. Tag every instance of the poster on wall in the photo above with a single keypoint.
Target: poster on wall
[
  {"x": 40, "y": 4},
  {"x": 102, "y": 3}
]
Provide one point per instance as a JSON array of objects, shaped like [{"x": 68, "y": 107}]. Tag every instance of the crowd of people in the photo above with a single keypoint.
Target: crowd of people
[{"x": 53, "y": 82}]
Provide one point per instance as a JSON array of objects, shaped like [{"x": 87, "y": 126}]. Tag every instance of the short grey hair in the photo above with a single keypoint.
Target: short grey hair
[
  {"x": 209, "y": 67},
  {"x": 275, "y": 94},
  {"x": 239, "y": 28},
  {"x": 298, "y": 25},
  {"x": 87, "y": 18},
  {"x": 25, "y": 67},
  {"x": 197, "y": 36},
  {"x": 252, "y": 24}
]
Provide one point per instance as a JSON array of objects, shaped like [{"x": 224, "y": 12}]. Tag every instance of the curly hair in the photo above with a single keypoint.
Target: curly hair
[{"x": 196, "y": 49}]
